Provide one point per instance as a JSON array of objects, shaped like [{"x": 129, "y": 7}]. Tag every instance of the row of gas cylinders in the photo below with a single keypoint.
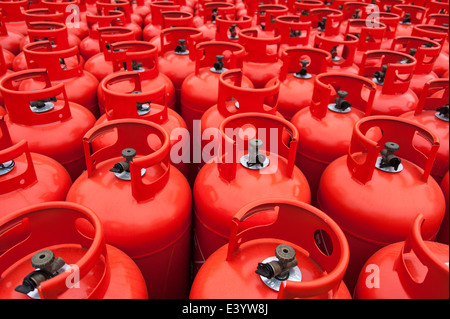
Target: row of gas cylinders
[{"x": 180, "y": 166}]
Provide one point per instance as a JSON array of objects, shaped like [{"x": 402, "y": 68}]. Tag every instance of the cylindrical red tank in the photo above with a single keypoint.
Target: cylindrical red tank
[
  {"x": 63, "y": 66},
  {"x": 52, "y": 125},
  {"x": 425, "y": 52},
  {"x": 325, "y": 127},
  {"x": 144, "y": 203},
  {"x": 265, "y": 18},
  {"x": 432, "y": 112},
  {"x": 410, "y": 15},
  {"x": 390, "y": 20},
  {"x": 342, "y": 52},
  {"x": 90, "y": 45},
  {"x": 172, "y": 19},
  {"x": 138, "y": 56},
  {"x": 14, "y": 18},
  {"x": 261, "y": 62},
  {"x": 55, "y": 261},
  {"x": 200, "y": 89},
  {"x": 205, "y": 21},
  {"x": 100, "y": 65},
  {"x": 293, "y": 31},
  {"x": 27, "y": 178},
  {"x": 439, "y": 34},
  {"x": 413, "y": 269},
  {"x": 392, "y": 72},
  {"x": 374, "y": 193},
  {"x": 309, "y": 249},
  {"x": 153, "y": 27},
  {"x": 371, "y": 36},
  {"x": 134, "y": 103},
  {"x": 177, "y": 56},
  {"x": 326, "y": 22},
  {"x": 300, "y": 67},
  {"x": 270, "y": 173},
  {"x": 227, "y": 28}
]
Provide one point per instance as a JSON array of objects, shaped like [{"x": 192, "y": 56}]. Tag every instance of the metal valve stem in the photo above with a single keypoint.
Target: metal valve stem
[
  {"x": 389, "y": 159},
  {"x": 279, "y": 268},
  {"x": 124, "y": 166}
]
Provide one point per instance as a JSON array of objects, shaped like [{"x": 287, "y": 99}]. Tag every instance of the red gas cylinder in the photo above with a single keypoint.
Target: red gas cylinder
[
  {"x": 132, "y": 21},
  {"x": 300, "y": 68},
  {"x": 327, "y": 23},
  {"x": 153, "y": 27},
  {"x": 54, "y": 32},
  {"x": 137, "y": 104},
  {"x": 265, "y": 18},
  {"x": 228, "y": 28},
  {"x": 100, "y": 65},
  {"x": 51, "y": 124},
  {"x": 55, "y": 261},
  {"x": 390, "y": 20},
  {"x": 342, "y": 52},
  {"x": 64, "y": 66},
  {"x": 286, "y": 258},
  {"x": 199, "y": 90},
  {"x": 27, "y": 178},
  {"x": 172, "y": 19},
  {"x": 234, "y": 98},
  {"x": 90, "y": 45},
  {"x": 386, "y": 5},
  {"x": 72, "y": 15},
  {"x": 293, "y": 31},
  {"x": 141, "y": 8},
  {"x": 138, "y": 56},
  {"x": 432, "y": 112},
  {"x": 261, "y": 62},
  {"x": 413, "y": 269},
  {"x": 443, "y": 236},
  {"x": 143, "y": 202},
  {"x": 374, "y": 194},
  {"x": 206, "y": 20},
  {"x": 10, "y": 40},
  {"x": 355, "y": 10},
  {"x": 178, "y": 55},
  {"x": 440, "y": 20},
  {"x": 425, "y": 52},
  {"x": 303, "y": 8},
  {"x": 13, "y": 17},
  {"x": 439, "y": 34},
  {"x": 255, "y": 163},
  {"x": 392, "y": 73},
  {"x": 370, "y": 35},
  {"x": 410, "y": 15},
  {"x": 325, "y": 127}
]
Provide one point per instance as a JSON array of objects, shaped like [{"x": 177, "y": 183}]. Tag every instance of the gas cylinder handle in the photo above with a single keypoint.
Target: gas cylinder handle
[
  {"x": 23, "y": 179},
  {"x": 206, "y": 55},
  {"x": 425, "y": 51},
  {"x": 60, "y": 219},
  {"x": 437, "y": 271},
  {"x": 263, "y": 100},
  {"x": 393, "y": 129},
  {"x": 290, "y": 214},
  {"x": 53, "y": 31},
  {"x": 53, "y": 60},
  {"x": 267, "y": 14},
  {"x": 434, "y": 32},
  {"x": 292, "y": 30},
  {"x": 265, "y": 126},
  {"x": 118, "y": 5},
  {"x": 327, "y": 85},
  {"x": 399, "y": 69},
  {"x": 350, "y": 46},
  {"x": 292, "y": 56},
  {"x": 158, "y": 7},
  {"x": 126, "y": 104},
  {"x": 13, "y": 9},
  {"x": 127, "y": 138},
  {"x": 176, "y": 19},
  {"x": 257, "y": 47},
  {"x": 109, "y": 35},
  {"x": 18, "y": 103},
  {"x": 170, "y": 39},
  {"x": 135, "y": 56},
  {"x": 370, "y": 36},
  {"x": 427, "y": 101},
  {"x": 327, "y": 19},
  {"x": 225, "y": 26},
  {"x": 111, "y": 18}
]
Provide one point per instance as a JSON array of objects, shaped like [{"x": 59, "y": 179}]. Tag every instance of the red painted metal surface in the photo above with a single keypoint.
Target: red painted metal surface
[{"x": 256, "y": 230}]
